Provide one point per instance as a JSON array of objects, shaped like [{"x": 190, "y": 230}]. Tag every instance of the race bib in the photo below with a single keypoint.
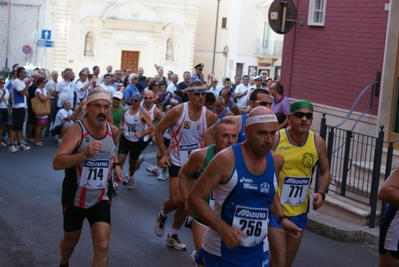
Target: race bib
[
  {"x": 94, "y": 173},
  {"x": 211, "y": 200},
  {"x": 253, "y": 222},
  {"x": 185, "y": 152},
  {"x": 294, "y": 190}
]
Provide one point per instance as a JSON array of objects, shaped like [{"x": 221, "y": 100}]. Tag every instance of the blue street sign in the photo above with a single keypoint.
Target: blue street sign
[
  {"x": 45, "y": 43},
  {"x": 46, "y": 34}
]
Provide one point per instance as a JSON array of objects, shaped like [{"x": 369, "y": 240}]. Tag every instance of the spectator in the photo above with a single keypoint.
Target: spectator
[
  {"x": 41, "y": 121},
  {"x": 131, "y": 88},
  {"x": 63, "y": 120},
  {"x": 4, "y": 97}
]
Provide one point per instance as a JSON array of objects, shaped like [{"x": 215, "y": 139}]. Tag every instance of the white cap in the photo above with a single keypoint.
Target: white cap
[{"x": 118, "y": 95}]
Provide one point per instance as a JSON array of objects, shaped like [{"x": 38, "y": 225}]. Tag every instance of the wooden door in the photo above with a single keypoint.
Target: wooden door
[{"x": 130, "y": 59}]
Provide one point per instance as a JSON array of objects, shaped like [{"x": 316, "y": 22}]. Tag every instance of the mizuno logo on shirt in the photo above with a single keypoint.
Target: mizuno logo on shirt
[{"x": 96, "y": 164}]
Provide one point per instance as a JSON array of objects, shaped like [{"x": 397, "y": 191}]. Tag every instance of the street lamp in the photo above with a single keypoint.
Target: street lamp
[{"x": 216, "y": 32}]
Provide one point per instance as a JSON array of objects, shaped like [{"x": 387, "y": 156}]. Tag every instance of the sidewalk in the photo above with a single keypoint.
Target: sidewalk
[{"x": 340, "y": 230}]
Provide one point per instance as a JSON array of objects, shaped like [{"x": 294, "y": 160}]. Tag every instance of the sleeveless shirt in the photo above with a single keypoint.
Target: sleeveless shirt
[
  {"x": 133, "y": 124},
  {"x": 296, "y": 174},
  {"x": 241, "y": 134},
  {"x": 151, "y": 112},
  {"x": 86, "y": 183},
  {"x": 186, "y": 136},
  {"x": 243, "y": 202}
]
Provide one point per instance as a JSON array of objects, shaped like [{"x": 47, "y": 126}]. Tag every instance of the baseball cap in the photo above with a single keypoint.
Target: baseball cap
[{"x": 118, "y": 95}]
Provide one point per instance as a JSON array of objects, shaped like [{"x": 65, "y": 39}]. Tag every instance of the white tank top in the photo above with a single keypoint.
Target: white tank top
[
  {"x": 186, "y": 136},
  {"x": 133, "y": 124},
  {"x": 151, "y": 112}
]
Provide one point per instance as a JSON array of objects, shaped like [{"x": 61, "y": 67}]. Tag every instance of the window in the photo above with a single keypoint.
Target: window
[
  {"x": 265, "y": 35},
  {"x": 317, "y": 12},
  {"x": 224, "y": 23}
]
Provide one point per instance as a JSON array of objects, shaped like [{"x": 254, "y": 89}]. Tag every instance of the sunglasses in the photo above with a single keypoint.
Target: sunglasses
[
  {"x": 135, "y": 78},
  {"x": 300, "y": 115},
  {"x": 200, "y": 93},
  {"x": 148, "y": 97},
  {"x": 215, "y": 81},
  {"x": 263, "y": 103},
  {"x": 2, "y": 82},
  {"x": 135, "y": 100},
  {"x": 116, "y": 98}
]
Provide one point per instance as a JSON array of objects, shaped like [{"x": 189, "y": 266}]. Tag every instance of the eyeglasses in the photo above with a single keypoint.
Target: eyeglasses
[
  {"x": 300, "y": 115},
  {"x": 263, "y": 103},
  {"x": 200, "y": 93},
  {"x": 135, "y": 100},
  {"x": 150, "y": 97},
  {"x": 117, "y": 99}
]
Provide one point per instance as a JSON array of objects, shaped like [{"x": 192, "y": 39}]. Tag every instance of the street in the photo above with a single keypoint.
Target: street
[{"x": 31, "y": 221}]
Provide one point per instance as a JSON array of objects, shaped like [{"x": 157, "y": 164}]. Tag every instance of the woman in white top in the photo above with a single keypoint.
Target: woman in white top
[
  {"x": 4, "y": 98},
  {"x": 41, "y": 121}
]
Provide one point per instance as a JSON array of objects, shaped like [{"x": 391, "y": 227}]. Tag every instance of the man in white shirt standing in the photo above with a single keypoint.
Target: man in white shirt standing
[
  {"x": 19, "y": 89},
  {"x": 241, "y": 92},
  {"x": 50, "y": 87},
  {"x": 173, "y": 85},
  {"x": 107, "y": 84},
  {"x": 65, "y": 89}
]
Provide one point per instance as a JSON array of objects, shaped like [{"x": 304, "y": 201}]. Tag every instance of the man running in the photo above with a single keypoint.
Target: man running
[
  {"x": 188, "y": 123},
  {"x": 302, "y": 149},
  {"x": 244, "y": 192},
  {"x": 224, "y": 134},
  {"x": 88, "y": 156},
  {"x": 134, "y": 121}
]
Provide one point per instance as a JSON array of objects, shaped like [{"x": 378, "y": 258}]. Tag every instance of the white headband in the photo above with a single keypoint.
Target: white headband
[
  {"x": 94, "y": 97},
  {"x": 261, "y": 119}
]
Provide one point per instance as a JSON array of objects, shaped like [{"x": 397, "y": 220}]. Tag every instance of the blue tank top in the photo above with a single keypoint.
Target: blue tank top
[
  {"x": 241, "y": 134},
  {"x": 244, "y": 202}
]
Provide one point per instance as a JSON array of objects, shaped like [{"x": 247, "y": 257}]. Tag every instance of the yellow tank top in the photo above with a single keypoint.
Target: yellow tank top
[{"x": 296, "y": 174}]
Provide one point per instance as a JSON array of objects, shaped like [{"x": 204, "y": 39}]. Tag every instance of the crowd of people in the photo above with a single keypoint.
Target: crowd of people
[{"x": 259, "y": 199}]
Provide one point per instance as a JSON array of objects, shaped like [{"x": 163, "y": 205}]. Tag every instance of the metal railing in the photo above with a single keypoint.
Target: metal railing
[{"x": 355, "y": 164}]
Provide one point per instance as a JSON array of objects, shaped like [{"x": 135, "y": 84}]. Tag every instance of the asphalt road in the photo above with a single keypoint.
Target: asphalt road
[{"x": 31, "y": 221}]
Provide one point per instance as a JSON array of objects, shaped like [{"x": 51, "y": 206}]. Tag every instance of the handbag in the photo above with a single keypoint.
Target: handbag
[{"x": 41, "y": 108}]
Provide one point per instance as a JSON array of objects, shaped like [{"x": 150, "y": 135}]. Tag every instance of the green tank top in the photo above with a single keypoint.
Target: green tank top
[
  {"x": 209, "y": 156},
  {"x": 116, "y": 115}
]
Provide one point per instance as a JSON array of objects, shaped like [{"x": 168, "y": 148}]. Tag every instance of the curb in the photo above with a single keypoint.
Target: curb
[{"x": 340, "y": 230}]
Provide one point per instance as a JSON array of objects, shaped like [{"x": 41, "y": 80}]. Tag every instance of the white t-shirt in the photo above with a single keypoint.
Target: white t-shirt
[
  {"x": 50, "y": 85},
  {"x": 44, "y": 93},
  {"x": 65, "y": 92},
  {"x": 171, "y": 88},
  {"x": 18, "y": 85},
  {"x": 80, "y": 93},
  {"x": 241, "y": 88},
  {"x": 61, "y": 115},
  {"x": 109, "y": 88},
  {"x": 5, "y": 99}
]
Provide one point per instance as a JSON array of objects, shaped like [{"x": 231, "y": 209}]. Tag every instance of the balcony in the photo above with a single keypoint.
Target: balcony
[{"x": 269, "y": 49}]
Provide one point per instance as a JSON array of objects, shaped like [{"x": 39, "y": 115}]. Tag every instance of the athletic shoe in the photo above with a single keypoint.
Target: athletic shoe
[
  {"x": 12, "y": 149},
  {"x": 23, "y": 147},
  {"x": 159, "y": 227},
  {"x": 141, "y": 159},
  {"x": 115, "y": 185},
  {"x": 174, "y": 241},
  {"x": 192, "y": 256},
  {"x": 126, "y": 179},
  {"x": 153, "y": 169},
  {"x": 3, "y": 144},
  {"x": 59, "y": 142},
  {"x": 161, "y": 176},
  {"x": 130, "y": 184}
]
